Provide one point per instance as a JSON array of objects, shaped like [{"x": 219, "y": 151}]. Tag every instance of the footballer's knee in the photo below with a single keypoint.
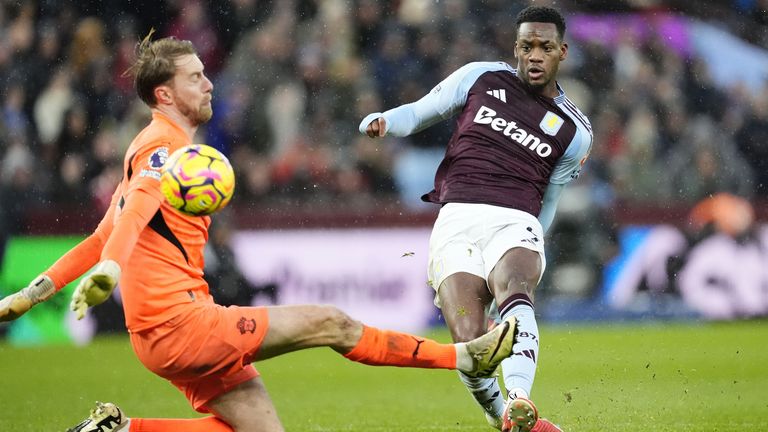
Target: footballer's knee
[
  {"x": 463, "y": 298},
  {"x": 517, "y": 284},
  {"x": 516, "y": 273}
]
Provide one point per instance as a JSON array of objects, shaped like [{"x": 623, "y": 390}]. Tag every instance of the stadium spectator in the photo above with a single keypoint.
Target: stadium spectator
[
  {"x": 752, "y": 140},
  {"x": 50, "y": 109},
  {"x": 192, "y": 23},
  {"x": 707, "y": 163},
  {"x": 19, "y": 192},
  {"x": 88, "y": 47},
  {"x": 500, "y": 173},
  {"x": 177, "y": 331},
  {"x": 74, "y": 137},
  {"x": 14, "y": 117}
]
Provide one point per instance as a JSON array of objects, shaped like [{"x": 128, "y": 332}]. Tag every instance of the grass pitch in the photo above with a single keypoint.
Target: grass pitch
[{"x": 662, "y": 377}]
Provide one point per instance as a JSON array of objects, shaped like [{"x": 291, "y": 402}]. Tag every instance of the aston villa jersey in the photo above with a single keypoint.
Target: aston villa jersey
[{"x": 509, "y": 142}]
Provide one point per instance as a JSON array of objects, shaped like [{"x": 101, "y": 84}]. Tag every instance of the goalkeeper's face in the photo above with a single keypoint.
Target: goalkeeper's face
[{"x": 192, "y": 90}]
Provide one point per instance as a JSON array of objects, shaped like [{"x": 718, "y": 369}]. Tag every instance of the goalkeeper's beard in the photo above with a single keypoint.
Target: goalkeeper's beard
[{"x": 197, "y": 116}]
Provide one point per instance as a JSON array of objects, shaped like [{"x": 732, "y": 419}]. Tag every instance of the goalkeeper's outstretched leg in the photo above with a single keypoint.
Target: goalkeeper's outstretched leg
[{"x": 212, "y": 343}]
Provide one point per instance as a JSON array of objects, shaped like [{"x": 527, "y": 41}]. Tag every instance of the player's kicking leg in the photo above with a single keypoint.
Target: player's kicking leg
[
  {"x": 328, "y": 326},
  {"x": 513, "y": 281}
]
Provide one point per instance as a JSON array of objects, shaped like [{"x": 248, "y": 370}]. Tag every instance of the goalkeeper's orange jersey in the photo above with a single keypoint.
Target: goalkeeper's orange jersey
[
  {"x": 164, "y": 269},
  {"x": 160, "y": 250}
]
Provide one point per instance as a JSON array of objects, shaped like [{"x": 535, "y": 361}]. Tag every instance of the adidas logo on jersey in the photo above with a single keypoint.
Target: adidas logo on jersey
[
  {"x": 500, "y": 94},
  {"x": 509, "y": 129}
]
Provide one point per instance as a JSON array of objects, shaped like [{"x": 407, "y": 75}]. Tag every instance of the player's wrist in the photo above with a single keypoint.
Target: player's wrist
[
  {"x": 39, "y": 290},
  {"x": 110, "y": 268}
]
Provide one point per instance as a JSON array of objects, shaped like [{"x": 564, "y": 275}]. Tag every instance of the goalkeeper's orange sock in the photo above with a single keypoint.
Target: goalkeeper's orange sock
[
  {"x": 205, "y": 424},
  {"x": 389, "y": 348}
]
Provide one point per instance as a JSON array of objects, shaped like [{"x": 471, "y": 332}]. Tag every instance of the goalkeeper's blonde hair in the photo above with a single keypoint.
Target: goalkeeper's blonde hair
[{"x": 155, "y": 64}]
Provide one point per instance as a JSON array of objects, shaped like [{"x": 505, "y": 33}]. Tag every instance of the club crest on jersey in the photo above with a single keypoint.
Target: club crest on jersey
[
  {"x": 158, "y": 157},
  {"x": 246, "y": 325},
  {"x": 551, "y": 123}
]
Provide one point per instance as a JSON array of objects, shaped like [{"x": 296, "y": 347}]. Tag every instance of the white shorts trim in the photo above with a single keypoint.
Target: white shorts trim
[{"x": 472, "y": 238}]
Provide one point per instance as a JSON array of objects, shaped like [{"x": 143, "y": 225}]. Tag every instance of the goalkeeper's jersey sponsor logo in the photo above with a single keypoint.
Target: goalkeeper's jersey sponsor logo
[{"x": 150, "y": 173}]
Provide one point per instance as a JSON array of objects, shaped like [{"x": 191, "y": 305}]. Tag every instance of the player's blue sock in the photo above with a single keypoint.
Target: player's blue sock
[
  {"x": 487, "y": 393},
  {"x": 520, "y": 369}
]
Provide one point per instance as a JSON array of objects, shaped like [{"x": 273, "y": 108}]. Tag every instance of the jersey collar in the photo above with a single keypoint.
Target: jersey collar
[
  {"x": 159, "y": 116},
  {"x": 560, "y": 98}
]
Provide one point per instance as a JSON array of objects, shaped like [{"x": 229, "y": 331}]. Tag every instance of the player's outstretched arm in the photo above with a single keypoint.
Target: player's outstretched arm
[
  {"x": 445, "y": 100},
  {"x": 66, "y": 269},
  {"x": 17, "y": 304}
]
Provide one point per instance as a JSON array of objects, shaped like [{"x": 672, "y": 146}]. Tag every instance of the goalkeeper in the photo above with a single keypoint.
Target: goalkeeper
[{"x": 176, "y": 330}]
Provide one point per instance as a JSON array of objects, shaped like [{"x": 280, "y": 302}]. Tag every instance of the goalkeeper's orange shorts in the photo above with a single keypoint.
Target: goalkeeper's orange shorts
[{"x": 206, "y": 350}]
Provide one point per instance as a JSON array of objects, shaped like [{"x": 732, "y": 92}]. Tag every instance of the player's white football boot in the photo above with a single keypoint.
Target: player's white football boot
[
  {"x": 490, "y": 349},
  {"x": 106, "y": 417},
  {"x": 520, "y": 415}
]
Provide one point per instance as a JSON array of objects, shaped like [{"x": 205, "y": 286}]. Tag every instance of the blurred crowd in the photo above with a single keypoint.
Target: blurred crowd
[{"x": 293, "y": 78}]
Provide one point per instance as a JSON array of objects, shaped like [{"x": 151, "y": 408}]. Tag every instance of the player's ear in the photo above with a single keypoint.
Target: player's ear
[
  {"x": 563, "y": 51},
  {"x": 163, "y": 94}
]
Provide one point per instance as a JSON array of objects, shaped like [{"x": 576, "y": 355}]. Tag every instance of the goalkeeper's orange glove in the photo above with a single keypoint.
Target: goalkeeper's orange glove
[
  {"x": 95, "y": 288},
  {"x": 17, "y": 304}
]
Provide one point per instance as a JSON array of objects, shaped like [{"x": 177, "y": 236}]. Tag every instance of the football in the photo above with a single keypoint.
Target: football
[{"x": 197, "y": 180}]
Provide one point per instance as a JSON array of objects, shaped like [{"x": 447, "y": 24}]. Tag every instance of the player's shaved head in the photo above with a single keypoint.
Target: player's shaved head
[
  {"x": 156, "y": 64},
  {"x": 542, "y": 14}
]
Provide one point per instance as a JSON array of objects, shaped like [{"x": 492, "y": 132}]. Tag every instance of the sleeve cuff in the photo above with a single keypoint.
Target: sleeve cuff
[{"x": 367, "y": 120}]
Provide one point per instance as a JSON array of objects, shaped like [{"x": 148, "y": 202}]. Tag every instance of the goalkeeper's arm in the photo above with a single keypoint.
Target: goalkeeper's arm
[
  {"x": 66, "y": 269},
  {"x": 17, "y": 304}
]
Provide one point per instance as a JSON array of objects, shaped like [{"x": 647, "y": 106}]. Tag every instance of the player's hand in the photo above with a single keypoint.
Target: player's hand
[
  {"x": 373, "y": 125},
  {"x": 376, "y": 128},
  {"x": 95, "y": 288},
  {"x": 14, "y": 306},
  {"x": 17, "y": 304}
]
